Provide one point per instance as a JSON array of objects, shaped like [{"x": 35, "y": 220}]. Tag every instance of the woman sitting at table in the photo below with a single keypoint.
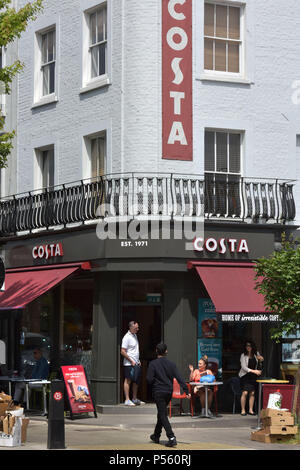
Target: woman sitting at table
[{"x": 195, "y": 376}]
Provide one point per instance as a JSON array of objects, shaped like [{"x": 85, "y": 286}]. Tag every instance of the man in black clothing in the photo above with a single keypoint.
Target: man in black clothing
[{"x": 160, "y": 375}]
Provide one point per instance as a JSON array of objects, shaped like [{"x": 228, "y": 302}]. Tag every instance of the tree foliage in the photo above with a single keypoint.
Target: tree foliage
[
  {"x": 12, "y": 23},
  {"x": 278, "y": 279}
]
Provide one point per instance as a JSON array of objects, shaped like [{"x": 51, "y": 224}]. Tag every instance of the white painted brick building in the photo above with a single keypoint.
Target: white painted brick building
[{"x": 261, "y": 102}]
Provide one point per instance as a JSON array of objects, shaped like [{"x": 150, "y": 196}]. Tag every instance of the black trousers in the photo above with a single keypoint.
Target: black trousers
[{"x": 162, "y": 400}]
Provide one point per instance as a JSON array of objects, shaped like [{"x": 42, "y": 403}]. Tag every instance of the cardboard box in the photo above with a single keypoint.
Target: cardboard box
[
  {"x": 25, "y": 422},
  {"x": 292, "y": 430},
  {"x": 262, "y": 436},
  {"x": 278, "y": 421},
  {"x": 13, "y": 440},
  {"x": 270, "y": 413},
  {"x": 3, "y": 408}
]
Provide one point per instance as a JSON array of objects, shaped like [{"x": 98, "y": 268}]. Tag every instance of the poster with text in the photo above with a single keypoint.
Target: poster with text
[
  {"x": 212, "y": 348},
  {"x": 209, "y": 326},
  {"x": 77, "y": 389}
]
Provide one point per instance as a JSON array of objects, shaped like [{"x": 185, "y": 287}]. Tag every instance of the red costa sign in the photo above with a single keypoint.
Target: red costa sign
[
  {"x": 48, "y": 251},
  {"x": 177, "y": 83},
  {"x": 222, "y": 245}
]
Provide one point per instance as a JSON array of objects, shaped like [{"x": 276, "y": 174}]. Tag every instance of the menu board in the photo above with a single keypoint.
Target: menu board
[
  {"x": 78, "y": 392},
  {"x": 210, "y": 335}
]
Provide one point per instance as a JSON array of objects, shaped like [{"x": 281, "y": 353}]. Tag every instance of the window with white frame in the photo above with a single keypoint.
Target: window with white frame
[
  {"x": 222, "y": 172},
  {"x": 98, "y": 156},
  {"x": 45, "y": 168},
  {"x": 45, "y": 66},
  {"x": 98, "y": 41},
  {"x": 48, "y": 56},
  {"x": 94, "y": 156},
  {"x": 2, "y": 87},
  {"x": 223, "y": 45}
]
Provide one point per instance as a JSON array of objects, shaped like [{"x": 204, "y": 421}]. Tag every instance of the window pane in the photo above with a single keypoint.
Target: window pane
[
  {"x": 221, "y": 151},
  {"x": 233, "y": 58},
  {"x": 44, "y": 49},
  {"x": 46, "y": 80},
  {"x": 102, "y": 59},
  {"x": 209, "y": 151},
  {"x": 98, "y": 156},
  {"x": 209, "y": 19},
  {"x": 234, "y": 23},
  {"x": 95, "y": 61},
  {"x": 51, "y": 78},
  {"x": 51, "y": 46},
  {"x": 220, "y": 56},
  {"x": 93, "y": 28},
  {"x": 221, "y": 21},
  {"x": 208, "y": 54},
  {"x": 100, "y": 26},
  {"x": 234, "y": 153}
]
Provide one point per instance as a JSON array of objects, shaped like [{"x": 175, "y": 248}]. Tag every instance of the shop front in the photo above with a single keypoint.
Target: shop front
[{"x": 74, "y": 294}]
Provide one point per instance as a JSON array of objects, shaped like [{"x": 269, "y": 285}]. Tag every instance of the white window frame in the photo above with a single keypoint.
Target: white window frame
[
  {"x": 227, "y": 132},
  {"x": 39, "y": 98},
  {"x": 87, "y": 153},
  {"x": 38, "y": 167},
  {"x": 241, "y": 77},
  {"x": 87, "y": 81}
]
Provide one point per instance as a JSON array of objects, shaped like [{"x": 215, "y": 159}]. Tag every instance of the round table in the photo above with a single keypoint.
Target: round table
[
  {"x": 260, "y": 383},
  {"x": 205, "y": 385}
]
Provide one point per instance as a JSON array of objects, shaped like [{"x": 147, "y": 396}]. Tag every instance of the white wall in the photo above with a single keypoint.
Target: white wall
[{"x": 263, "y": 104}]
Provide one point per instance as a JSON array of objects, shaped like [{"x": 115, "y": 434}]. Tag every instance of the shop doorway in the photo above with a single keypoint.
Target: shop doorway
[{"x": 146, "y": 310}]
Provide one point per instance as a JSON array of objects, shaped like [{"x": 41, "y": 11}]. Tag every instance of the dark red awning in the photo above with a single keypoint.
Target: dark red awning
[
  {"x": 23, "y": 285},
  {"x": 231, "y": 286}
]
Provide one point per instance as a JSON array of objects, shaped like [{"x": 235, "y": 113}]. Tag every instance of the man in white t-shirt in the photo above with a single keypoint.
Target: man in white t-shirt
[{"x": 132, "y": 366}]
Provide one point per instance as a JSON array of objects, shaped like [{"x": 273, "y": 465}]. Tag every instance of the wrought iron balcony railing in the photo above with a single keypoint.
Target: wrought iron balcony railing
[{"x": 137, "y": 195}]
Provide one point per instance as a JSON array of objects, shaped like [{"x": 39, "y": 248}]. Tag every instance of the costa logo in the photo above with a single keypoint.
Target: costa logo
[
  {"x": 57, "y": 396},
  {"x": 222, "y": 245},
  {"x": 47, "y": 251},
  {"x": 177, "y": 69}
]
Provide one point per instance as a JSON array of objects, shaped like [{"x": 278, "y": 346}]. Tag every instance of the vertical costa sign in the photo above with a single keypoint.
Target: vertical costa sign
[{"x": 177, "y": 82}]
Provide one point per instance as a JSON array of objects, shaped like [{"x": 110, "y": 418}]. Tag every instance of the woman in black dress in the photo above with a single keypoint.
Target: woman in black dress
[{"x": 250, "y": 371}]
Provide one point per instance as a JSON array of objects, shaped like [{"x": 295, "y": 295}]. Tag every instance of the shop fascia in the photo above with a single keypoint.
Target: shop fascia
[{"x": 222, "y": 245}]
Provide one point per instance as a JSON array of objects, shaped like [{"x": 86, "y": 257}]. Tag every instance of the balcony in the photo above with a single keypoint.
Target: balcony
[{"x": 152, "y": 196}]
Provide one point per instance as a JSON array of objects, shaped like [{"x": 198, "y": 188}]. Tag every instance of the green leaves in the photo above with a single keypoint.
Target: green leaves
[
  {"x": 278, "y": 279},
  {"x": 12, "y": 23}
]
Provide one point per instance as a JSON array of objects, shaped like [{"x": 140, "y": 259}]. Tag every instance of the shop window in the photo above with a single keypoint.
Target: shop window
[
  {"x": 76, "y": 345},
  {"x": 36, "y": 324},
  {"x": 291, "y": 347}
]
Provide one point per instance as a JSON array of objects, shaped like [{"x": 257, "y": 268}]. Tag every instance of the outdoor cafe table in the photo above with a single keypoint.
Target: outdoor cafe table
[
  {"x": 261, "y": 382},
  {"x": 27, "y": 382},
  {"x": 205, "y": 385}
]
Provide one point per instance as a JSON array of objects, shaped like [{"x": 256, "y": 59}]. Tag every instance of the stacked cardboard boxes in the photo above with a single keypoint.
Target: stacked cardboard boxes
[
  {"x": 277, "y": 426},
  {"x": 13, "y": 424}
]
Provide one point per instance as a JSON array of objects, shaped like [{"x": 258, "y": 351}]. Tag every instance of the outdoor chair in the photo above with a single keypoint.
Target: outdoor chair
[
  {"x": 236, "y": 390},
  {"x": 179, "y": 396}
]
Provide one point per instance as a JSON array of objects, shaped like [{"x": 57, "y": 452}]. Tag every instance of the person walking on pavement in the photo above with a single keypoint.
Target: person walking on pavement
[
  {"x": 132, "y": 366},
  {"x": 160, "y": 375}
]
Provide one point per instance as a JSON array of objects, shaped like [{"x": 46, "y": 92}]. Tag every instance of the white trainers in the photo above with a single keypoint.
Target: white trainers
[
  {"x": 129, "y": 403},
  {"x": 138, "y": 402},
  {"x": 209, "y": 413}
]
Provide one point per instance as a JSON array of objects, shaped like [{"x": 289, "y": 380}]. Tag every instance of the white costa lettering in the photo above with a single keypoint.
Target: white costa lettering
[
  {"x": 47, "y": 251},
  {"x": 211, "y": 245},
  {"x": 173, "y": 13}
]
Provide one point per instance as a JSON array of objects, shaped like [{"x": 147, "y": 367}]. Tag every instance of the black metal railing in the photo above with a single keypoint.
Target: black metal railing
[{"x": 140, "y": 195}]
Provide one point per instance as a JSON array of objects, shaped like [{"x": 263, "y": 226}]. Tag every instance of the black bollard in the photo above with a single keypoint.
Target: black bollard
[{"x": 56, "y": 419}]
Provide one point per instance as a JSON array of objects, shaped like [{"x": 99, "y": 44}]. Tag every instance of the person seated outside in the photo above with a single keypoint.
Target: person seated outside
[
  {"x": 195, "y": 376},
  {"x": 39, "y": 372}
]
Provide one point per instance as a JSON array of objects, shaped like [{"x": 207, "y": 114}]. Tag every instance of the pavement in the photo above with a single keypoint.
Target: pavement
[{"x": 129, "y": 430}]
